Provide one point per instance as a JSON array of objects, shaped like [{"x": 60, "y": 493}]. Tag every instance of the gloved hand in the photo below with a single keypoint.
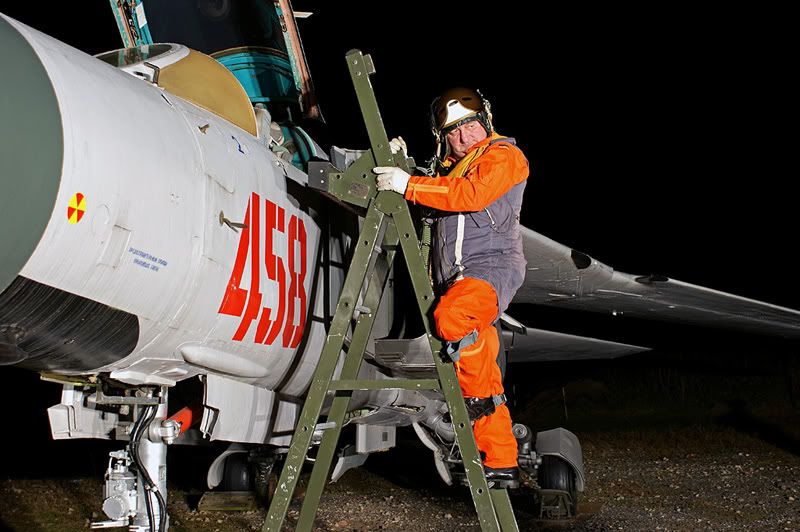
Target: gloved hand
[
  {"x": 392, "y": 178},
  {"x": 398, "y": 144}
]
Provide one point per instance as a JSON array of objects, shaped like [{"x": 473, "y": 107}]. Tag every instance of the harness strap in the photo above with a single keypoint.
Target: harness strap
[
  {"x": 477, "y": 407},
  {"x": 453, "y": 349}
]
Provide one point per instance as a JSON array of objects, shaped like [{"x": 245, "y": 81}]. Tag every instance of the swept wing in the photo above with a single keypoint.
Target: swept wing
[{"x": 560, "y": 276}]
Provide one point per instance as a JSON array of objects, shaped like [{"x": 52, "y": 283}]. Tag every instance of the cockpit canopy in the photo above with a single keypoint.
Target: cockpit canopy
[
  {"x": 256, "y": 40},
  {"x": 212, "y": 26}
]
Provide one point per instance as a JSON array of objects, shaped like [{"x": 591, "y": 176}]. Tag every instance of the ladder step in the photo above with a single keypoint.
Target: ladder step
[{"x": 388, "y": 384}]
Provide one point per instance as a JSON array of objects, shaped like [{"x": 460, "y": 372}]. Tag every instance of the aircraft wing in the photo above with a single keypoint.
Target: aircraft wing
[
  {"x": 526, "y": 344},
  {"x": 560, "y": 276}
]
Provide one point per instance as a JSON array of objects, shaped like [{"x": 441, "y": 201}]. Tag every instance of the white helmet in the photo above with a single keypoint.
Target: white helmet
[
  {"x": 455, "y": 107},
  {"x": 458, "y": 106}
]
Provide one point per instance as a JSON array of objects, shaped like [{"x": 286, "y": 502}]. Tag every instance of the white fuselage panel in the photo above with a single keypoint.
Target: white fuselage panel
[{"x": 159, "y": 176}]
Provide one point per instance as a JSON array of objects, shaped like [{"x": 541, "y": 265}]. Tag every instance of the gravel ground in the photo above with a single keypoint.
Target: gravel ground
[
  {"x": 695, "y": 478},
  {"x": 692, "y": 479}
]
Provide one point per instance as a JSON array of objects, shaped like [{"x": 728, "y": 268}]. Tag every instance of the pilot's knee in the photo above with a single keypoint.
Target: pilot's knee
[{"x": 451, "y": 323}]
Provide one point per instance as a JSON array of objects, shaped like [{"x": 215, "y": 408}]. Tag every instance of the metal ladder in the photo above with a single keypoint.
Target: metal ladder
[{"x": 372, "y": 260}]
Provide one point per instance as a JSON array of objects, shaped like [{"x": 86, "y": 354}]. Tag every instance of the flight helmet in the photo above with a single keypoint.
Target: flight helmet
[{"x": 455, "y": 107}]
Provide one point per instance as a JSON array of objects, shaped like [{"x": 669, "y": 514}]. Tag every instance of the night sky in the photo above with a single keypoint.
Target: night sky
[{"x": 659, "y": 137}]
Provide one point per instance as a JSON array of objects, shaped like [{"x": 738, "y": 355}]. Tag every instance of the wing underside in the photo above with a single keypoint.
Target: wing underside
[
  {"x": 526, "y": 344},
  {"x": 561, "y": 277}
]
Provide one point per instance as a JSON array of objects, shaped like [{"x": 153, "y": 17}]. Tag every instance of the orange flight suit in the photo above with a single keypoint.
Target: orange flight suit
[{"x": 488, "y": 171}]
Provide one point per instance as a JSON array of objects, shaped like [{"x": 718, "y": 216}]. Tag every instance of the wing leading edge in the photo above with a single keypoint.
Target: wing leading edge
[{"x": 559, "y": 276}]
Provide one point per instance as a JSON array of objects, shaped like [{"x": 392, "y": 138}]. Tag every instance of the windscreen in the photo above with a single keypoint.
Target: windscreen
[
  {"x": 214, "y": 25},
  {"x": 131, "y": 56}
]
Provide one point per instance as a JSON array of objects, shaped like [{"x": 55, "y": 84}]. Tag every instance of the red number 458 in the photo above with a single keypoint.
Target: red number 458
[{"x": 247, "y": 303}]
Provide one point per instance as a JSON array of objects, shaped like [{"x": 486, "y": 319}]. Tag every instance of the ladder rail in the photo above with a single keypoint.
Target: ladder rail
[
  {"x": 471, "y": 459},
  {"x": 323, "y": 374},
  {"x": 350, "y": 369}
]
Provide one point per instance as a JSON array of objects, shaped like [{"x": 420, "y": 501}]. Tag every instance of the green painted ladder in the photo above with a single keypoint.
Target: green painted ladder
[{"x": 372, "y": 260}]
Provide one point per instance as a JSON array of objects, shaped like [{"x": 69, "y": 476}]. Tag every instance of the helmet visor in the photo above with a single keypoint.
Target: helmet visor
[{"x": 455, "y": 105}]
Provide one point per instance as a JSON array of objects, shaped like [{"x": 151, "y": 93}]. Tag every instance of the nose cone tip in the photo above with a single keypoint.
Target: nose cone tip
[{"x": 31, "y": 149}]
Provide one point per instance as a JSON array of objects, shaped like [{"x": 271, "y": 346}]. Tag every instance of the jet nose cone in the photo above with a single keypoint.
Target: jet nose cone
[{"x": 31, "y": 149}]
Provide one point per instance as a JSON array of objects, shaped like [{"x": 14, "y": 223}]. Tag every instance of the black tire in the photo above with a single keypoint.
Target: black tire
[
  {"x": 238, "y": 473},
  {"x": 556, "y": 474}
]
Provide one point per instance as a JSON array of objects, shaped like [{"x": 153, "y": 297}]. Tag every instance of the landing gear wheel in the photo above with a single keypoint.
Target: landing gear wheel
[
  {"x": 558, "y": 497},
  {"x": 238, "y": 473}
]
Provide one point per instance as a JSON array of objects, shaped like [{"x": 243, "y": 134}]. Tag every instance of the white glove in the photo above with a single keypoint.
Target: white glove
[
  {"x": 392, "y": 178},
  {"x": 398, "y": 144}
]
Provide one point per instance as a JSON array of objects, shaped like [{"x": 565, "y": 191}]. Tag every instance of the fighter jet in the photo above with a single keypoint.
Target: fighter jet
[{"x": 163, "y": 241}]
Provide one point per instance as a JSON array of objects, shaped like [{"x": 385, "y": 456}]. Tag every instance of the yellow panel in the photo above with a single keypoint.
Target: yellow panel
[{"x": 205, "y": 82}]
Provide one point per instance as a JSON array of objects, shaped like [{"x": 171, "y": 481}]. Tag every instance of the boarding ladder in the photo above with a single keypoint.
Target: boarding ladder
[{"x": 372, "y": 260}]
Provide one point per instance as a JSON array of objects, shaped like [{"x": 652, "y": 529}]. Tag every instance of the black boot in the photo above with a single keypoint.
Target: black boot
[{"x": 502, "y": 477}]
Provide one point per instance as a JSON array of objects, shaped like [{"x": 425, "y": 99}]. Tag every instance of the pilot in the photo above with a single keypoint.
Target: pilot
[{"x": 476, "y": 261}]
